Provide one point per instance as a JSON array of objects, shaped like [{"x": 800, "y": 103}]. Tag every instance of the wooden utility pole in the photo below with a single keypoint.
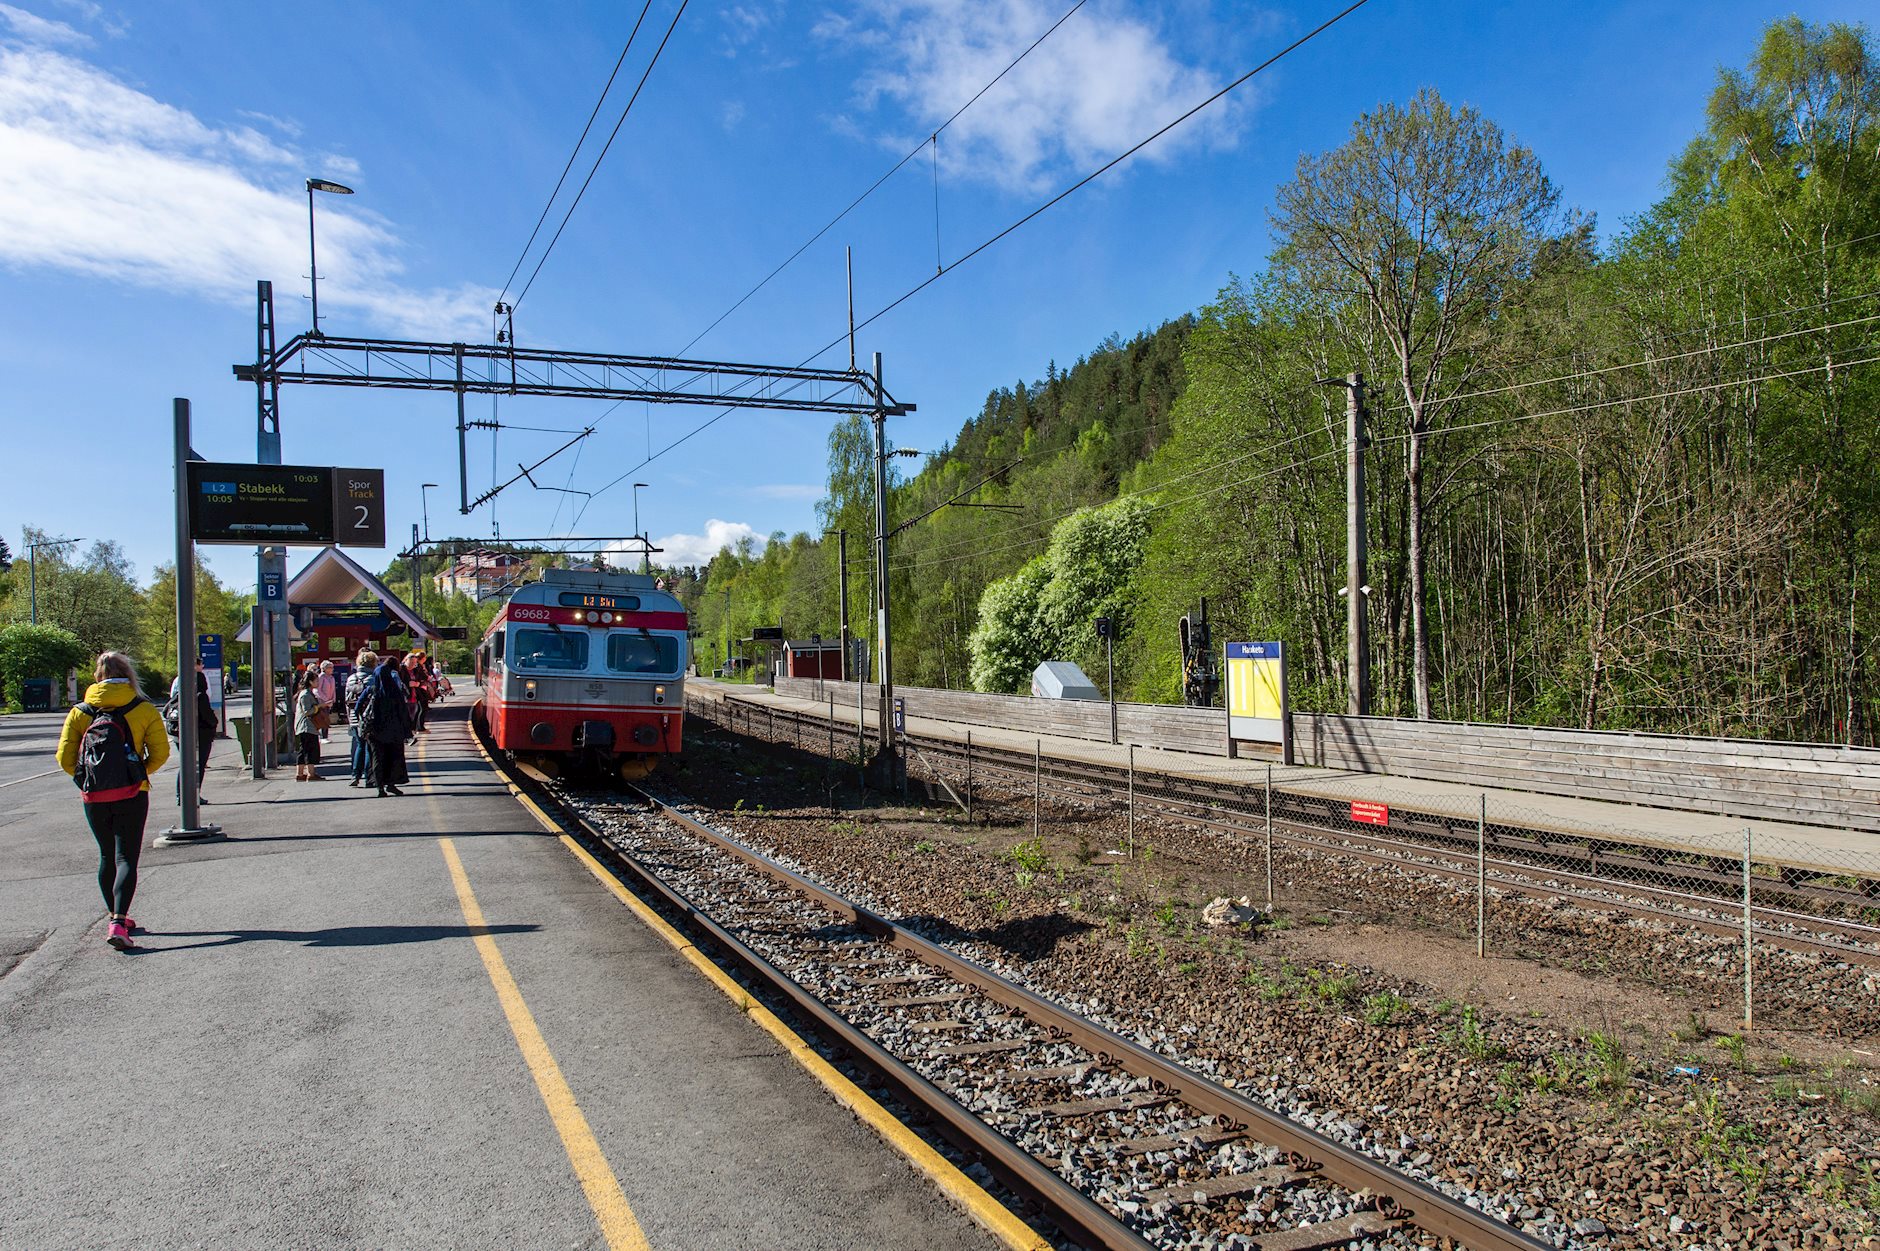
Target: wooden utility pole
[{"x": 1357, "y": 640}]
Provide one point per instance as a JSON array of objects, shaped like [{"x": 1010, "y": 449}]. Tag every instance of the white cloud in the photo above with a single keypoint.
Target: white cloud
[
  {"x": 1100, "y": 83},
  {"x": 698, "y": 549},
  {"x": 35, "y": 29},
  {"x": 105, "y": 180}
]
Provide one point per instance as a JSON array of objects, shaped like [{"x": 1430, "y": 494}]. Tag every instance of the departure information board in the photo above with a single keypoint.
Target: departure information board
[{"x": 302, "y": 505}]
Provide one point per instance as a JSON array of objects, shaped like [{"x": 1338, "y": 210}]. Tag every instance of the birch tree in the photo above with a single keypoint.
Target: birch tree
[{"x": 1429, "y": 220}]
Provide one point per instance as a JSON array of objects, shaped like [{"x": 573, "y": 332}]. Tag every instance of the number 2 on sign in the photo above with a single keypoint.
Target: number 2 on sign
[{"x": 364, "y": 514}]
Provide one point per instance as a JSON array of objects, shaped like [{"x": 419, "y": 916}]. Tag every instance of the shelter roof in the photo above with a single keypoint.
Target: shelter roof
[{"x": 333, "y": 577}]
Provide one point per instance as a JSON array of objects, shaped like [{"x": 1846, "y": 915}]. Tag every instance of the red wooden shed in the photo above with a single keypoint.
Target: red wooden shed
[{"x": 812, "y": 658}]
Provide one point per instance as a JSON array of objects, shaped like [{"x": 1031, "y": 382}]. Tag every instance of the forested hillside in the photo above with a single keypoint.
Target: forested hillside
[{"x": 1629, "y": 484}]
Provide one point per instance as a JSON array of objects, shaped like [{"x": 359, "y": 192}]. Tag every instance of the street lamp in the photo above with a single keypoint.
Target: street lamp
[
  {"x": 313, "y": 267},
  {"x": 644, "y": 562},
  {"x": 424, "y": 489},
  {"x": 32, "y": 569}
]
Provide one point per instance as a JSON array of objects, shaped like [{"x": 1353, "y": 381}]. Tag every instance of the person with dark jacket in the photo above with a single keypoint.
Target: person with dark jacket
[
  {"x": 116, "y": 816},
  {"x": 385, "y": 717},
  {"x": 208, "y": 725},
  {"x": 366, "y": 662}
]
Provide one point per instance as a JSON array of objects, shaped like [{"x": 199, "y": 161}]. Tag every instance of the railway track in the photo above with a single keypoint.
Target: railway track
[
  {"x": 1123, "y": 1147},
  {"x": 1790, "y": 910}
]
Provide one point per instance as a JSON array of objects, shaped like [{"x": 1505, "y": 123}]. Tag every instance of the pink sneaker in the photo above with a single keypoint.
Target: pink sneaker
[{"x": 119, "y": 936}]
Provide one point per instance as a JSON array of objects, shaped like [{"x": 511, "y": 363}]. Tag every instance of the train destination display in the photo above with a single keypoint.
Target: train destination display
[{"x": 306, "y": 505}]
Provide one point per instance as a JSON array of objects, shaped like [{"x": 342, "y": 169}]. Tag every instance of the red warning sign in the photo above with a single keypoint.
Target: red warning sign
[{"x": 1366, "y": 813}]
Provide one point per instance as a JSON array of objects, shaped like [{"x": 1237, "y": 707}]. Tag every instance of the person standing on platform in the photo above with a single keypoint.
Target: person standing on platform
[
  {"x": 386, "y": 720},
  {"x": 307, "y": 728},
  {"x": 208, "y": 726},
  {"x": 111, "y": 744},
  {"x": 327, "y": 688},
  {"x": 355, "y": 686},
  {"x": 418, "y": 678}
]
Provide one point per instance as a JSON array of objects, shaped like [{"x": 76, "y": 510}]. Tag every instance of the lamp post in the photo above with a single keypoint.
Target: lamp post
[
  {"x": 32, "y": 570},
  {"x": 313, "y": 267},
  {"x": 424, "y": 496},
  {"x": 645, "y": 564}
]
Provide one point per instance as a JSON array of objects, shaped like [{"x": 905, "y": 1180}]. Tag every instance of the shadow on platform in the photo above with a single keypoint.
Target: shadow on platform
[{"x": 338, "y": 936}]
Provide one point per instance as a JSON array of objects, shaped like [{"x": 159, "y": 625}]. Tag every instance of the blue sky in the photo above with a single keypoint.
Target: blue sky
[{"x": 152, "y": 158}]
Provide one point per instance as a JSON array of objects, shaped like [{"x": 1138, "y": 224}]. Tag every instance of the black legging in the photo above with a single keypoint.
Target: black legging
[{"x": 119, "y": 828}]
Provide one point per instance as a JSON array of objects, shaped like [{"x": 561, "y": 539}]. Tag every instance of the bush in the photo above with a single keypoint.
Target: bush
[{"x": 36, "y": 651}]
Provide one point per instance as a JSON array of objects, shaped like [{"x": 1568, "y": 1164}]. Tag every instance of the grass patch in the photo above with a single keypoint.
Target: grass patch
[
  {"x": 1606, "y": 1065},
  {"x": 1385, "y": 1007},
  {"x": 1029, "y": 855},
  {"x": 1468, "y": 1037}
]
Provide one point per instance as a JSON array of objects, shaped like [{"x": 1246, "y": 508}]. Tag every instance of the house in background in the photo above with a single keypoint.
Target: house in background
[{"x": 480, "y": 573}]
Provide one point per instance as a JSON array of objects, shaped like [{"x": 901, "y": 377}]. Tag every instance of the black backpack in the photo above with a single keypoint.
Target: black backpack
[{"x": 107, "y": 759}]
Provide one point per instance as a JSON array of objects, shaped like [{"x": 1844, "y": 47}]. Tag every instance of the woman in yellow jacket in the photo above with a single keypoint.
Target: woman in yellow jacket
[{"x": 116, "y": 813}]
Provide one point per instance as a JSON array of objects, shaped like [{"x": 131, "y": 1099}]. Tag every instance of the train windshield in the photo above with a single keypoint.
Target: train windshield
[
  {"x": 565, "y": 650},
  {"x": 643, "y": 653}
]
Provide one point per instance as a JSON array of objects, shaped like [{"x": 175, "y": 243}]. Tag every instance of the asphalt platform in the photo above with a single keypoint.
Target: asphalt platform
[{"x": 342, "y": 1030}]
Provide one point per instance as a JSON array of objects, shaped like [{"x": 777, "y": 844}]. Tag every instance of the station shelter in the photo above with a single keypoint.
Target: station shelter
[
  {"x": 335, "y": 607},
  {"x": 812, "y": 658}
]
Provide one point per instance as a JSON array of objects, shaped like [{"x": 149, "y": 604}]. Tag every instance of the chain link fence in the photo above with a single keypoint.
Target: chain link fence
[{"x": 1741, "y": 904}]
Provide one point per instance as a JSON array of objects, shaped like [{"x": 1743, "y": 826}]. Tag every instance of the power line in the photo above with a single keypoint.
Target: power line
[
  {"x": 1641, "y": 399},
  {"x": 1081, "y": 183},
  {"x": 1292, "y": 466},
  {"x": 1651, "y": 360},
  {"x": 1103, "y": 169},
  {"x": 876, "y": 185},
  {"x": 621, "y": 60},
  {"x": 638, "y": 87},
  {"x": 850, "y": 208}
]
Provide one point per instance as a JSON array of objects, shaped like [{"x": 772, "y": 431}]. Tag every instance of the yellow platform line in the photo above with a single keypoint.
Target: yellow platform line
[
  {"x": 598, "y": 1182},
  {"x": 991, "y": 1215}
]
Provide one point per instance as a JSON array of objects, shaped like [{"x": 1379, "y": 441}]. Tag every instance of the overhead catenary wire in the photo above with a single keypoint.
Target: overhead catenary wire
[
  {"x": 875, "y": 186},
  {"x": 994, "y": 239},
  {"x": 933, "y": 138},
  {"x": 576, "y": 151},
  {"x": 595, "y": 169}
]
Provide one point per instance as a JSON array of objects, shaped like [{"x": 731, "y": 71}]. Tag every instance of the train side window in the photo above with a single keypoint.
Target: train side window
[
  {"x": 643, "y": 653},
  {"x": 497, "y": 642}
]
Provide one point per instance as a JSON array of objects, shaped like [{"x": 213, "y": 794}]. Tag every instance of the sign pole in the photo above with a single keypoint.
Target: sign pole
[
  {"x": 258, "y": 709},
  {"x": 188, "y": 829}
]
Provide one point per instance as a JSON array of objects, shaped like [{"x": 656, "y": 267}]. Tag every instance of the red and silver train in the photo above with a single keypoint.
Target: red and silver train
[{"x": 585, "y": 672}]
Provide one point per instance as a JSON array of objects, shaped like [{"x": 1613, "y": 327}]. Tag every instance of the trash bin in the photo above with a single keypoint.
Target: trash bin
[
  {"x": 244, "y": 732},
  {"x": 36, "y": 694}
]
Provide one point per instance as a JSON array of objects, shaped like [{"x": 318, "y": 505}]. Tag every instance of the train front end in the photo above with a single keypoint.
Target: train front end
[{"x": 584, "y": 674}]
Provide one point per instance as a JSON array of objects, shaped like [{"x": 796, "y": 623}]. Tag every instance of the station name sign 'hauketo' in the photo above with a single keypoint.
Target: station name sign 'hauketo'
[{"x": 302, "y": 505}]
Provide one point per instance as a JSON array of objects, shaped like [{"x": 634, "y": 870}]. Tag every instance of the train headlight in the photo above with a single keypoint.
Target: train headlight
[
  {"x": 593, "y": 616},
  {"x": 607, "y": 618},
  {"x": 528, "y": 689},
  {"x": 659, "y": 694}
]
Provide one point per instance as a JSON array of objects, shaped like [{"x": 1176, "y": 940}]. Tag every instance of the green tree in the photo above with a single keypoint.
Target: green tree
[
  {"x": 36, "y": 651},
  {"x": 1426, "y": 223},
  {"x": 1048, "y": 609},
  {"x": 1010, "y": 640},
  {"x": 95, "y": 597}
]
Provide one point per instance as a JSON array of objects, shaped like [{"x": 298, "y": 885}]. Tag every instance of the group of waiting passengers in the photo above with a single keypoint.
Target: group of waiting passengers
[{"x": 385, "y": 703}]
